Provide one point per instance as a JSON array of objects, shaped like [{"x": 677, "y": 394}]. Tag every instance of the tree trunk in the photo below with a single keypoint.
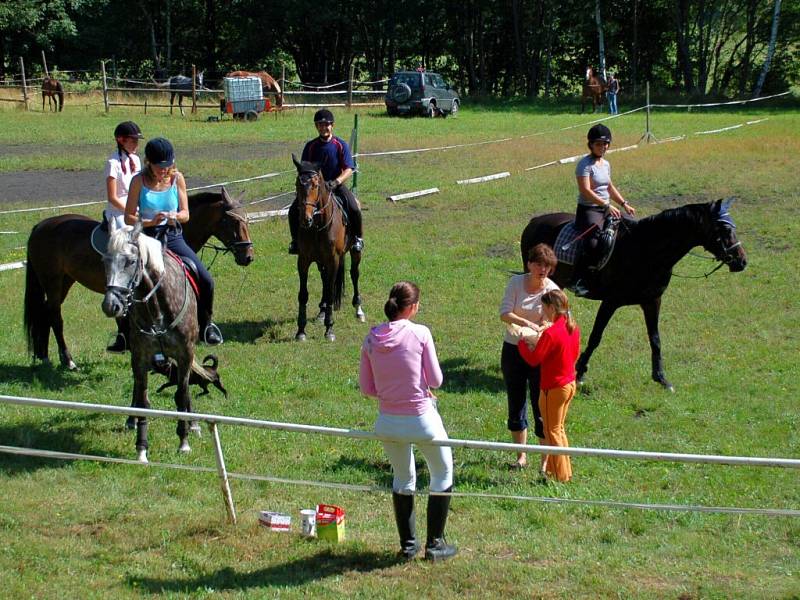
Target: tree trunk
[
  {"x": 158, "y": 70},
  {"x": 211, "y": 30},
  {"x": 684, "y": 60},
  {"x": 600, "y": 39},
  {"x": 168, "y": 34},
  {"x": 773, "y": 38},
  {"x": 519, "y": 72}
]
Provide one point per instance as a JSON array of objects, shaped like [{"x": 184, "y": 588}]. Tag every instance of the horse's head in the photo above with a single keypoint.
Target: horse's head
[
  {"x": 128, "y": 256},
  {"x": 232, "y": 230},
  {"x": 721, "y": 240},
  {"x": 313, "y": 195}
]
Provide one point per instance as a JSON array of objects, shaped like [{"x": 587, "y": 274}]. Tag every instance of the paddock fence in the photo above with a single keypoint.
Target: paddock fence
[{"x": 215, "y": 421}]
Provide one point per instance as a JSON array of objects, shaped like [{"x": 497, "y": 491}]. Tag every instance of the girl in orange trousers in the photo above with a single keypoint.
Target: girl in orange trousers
[{"x": 556, "y": 352}]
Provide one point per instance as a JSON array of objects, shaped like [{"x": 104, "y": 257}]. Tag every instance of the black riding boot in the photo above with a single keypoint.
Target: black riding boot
[
  {"x": 405, "y": 518},
  {"x": 357, "y": 228},
  {"x": 436, "y": 548},
  {"x": 294, "y": 226}
]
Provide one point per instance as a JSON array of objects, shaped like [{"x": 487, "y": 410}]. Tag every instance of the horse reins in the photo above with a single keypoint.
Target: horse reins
[
  {"x": 233, "y": 246},
  {"x": 321, "y": 209}
]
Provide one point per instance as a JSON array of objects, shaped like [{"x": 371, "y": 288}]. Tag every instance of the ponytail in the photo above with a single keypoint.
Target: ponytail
[
  {"x": 402, "y": 295},
  {"x": 559, "y": 302}
]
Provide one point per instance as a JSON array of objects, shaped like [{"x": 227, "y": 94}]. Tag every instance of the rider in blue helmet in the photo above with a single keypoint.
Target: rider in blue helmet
[{"x": 333, "y": 155}]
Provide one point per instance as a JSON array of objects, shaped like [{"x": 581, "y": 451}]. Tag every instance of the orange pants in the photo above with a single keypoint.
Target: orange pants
[{"x": 554, "y": 404}]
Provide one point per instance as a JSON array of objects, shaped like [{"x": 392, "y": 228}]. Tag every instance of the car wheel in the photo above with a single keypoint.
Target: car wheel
[
  {"x": 401, "y": 92},
  {"x": 251, "y": 115},
  {"x": 454, "y": 110},
  {"x": 392, "y": 111}
]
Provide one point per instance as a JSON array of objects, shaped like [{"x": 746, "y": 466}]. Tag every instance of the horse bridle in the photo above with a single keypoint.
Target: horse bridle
[
  {"x": 233, "y": 246},
  {"x": 725, "y": 257},
  {"x": 318, "y": 210},
  {"x": 125, "y": 293}
]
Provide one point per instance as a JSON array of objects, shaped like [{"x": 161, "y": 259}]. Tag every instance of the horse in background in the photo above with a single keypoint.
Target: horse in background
[
  {"x": 181, "y": 86},
  {"x": 54, "y": 92},
  {"x": 61, "y": 252},
  {"x": 150, "y": 287},
  {"x": 268, "y": 83},
  {"x": 640, "y": 267},
  {"x": 323, "y": 239},
  {"x": 594, "y": 89}
]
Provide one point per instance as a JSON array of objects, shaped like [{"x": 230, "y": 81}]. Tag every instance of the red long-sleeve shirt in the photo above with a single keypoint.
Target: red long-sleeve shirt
[{"x": 556, "y": 352}]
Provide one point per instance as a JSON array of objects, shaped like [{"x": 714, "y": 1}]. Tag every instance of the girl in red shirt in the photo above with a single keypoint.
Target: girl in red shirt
[{"x": 556, "y": 352}]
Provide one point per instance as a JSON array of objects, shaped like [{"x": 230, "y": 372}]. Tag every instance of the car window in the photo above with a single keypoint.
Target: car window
[
  {"x": 410, "y": 79},
  {"x": 439, "y": 82}
]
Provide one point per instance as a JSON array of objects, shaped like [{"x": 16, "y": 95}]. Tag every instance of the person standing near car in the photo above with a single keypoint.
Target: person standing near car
[
  {"x": 611, "y": 93},
  {"x": 333, "y": 156}
]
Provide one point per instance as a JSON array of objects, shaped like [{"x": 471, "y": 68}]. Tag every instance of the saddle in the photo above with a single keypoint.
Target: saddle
[{"x": 569, "y": 245}]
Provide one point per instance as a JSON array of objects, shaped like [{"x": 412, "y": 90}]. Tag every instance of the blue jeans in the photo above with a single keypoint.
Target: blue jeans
[{"x": 612, "y": 103}]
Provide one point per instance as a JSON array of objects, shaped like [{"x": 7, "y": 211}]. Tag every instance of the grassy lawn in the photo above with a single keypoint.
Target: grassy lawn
[{"x": 91, "y": 530}]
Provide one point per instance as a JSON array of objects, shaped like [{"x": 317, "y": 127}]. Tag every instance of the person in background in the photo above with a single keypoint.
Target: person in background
[
  {"x": 399, "y": 366},
  {"x": 158, "y": 197},
  {"x": 522, "y": 307},
  {"x": 121, "y": 166},
  {"x": 611, "y": 93},
  {"x": 333, "y": 156},
  {"x": 556, "y": 352}
]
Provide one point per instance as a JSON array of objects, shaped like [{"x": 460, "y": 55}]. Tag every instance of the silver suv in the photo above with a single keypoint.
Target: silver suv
[{"x": 420, "y": 92}]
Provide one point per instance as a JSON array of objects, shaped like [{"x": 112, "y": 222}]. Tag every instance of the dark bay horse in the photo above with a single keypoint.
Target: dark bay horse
[
  {"x": 594, "y": 88},
  {"x": 268, "y": 83},
  {"x": 151, "y": 285},
  {"x": 640, "y": 267},
  {"x": 60, "y": 253},
  {"x": 181, "y": 86},
  {"x": 54, "y": 92},
  {"x": 322, "y": 239}
]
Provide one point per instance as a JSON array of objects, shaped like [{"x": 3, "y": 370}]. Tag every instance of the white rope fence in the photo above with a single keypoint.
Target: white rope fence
[{"x": 215, "y": 420}]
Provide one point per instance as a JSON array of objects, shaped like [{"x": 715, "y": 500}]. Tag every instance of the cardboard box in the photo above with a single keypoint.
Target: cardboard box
[
  {"x": 330, "y": 523},
  {"x": 275, "y": 521}
]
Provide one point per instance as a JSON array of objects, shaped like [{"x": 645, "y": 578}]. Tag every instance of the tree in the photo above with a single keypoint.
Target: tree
[{"x": 773, "y": 38}]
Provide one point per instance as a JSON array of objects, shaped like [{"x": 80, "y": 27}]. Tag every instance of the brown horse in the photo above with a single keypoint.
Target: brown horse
[
  {"x": 322, "y": 239},
  {"x": 60, "y": 253},
  {"x": 268, "y": 83},
  {"x": 54, "y": 92},
  {"x": 594, "y": 89}
]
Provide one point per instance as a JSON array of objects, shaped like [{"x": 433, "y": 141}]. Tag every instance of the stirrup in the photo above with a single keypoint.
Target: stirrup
[
  {"x": 212, "y": 335},
  {"x": 580, "y": 289}
]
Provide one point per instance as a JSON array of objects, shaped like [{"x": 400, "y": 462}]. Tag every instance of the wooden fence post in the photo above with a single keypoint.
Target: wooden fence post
[
  {"x": 354, "y": 149},
  {"x": 283, "y": 83},
  {"x": 194, "y": 90},
  {"x": 105, "y": 84},
  {"x": 24, "y": 83},
  {"x": 350, "y": 87}
]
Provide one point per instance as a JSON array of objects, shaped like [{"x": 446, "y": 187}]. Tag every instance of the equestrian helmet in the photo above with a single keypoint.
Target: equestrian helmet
[
  {"x": 323, "y": 115},
  {"x": 128, "y": 129},
  {"x": 599, "y": 133},
  {"x": 159, "y": 152}
]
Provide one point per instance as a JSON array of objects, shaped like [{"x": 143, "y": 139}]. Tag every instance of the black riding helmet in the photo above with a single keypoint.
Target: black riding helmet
[
  {"x": 128, "y": 129},
  {"x": 323, "y": 115},
  {"x": 159, "y": 152},
  {"x": 599, "y": 133}
]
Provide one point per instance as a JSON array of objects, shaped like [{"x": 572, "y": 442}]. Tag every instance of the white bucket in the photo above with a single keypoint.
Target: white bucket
[{"x": 308, "y": 522}]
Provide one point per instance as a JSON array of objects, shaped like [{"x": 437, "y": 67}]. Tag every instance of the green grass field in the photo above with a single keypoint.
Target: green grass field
[{"x": 91, "y": 530}]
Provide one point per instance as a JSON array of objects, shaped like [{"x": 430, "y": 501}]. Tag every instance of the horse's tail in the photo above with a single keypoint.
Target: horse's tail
[
  {"x": 338, "y": 285},
  {"x": 200, "y": 369},
  {"x": 36, "y": 319}
]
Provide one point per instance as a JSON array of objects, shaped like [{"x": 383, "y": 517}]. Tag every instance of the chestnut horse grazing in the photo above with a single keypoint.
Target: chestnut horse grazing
[
  {"x": 322, "y": 239},
  {"x": 60, "y": 253},
  {"x": 268, "y": 83},
  {"x": 640, "y": 267},
  {"x": 594, "y": 88},
  {"x": 151, "y": 285},
  {"x": 54, "y": 92}
]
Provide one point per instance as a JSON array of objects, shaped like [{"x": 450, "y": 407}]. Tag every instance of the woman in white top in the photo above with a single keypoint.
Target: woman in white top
[
  {"x": 522, "y": 307},
  {"x": 121, "y": 166}
]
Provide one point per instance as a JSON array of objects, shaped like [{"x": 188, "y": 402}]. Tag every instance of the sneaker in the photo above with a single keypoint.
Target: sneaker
[
  {"x": 119, "y": 346},
  {"x": 212, "y": 335},
  {"x": 358, "y": 244},
  {"x": 293, "y": 247}
]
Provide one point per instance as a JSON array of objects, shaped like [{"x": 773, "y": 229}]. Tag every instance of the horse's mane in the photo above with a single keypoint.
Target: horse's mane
[
  {"x": 203, "y": 198},
  {"x": 674, "y": 219},
  {"x": 149, "y": 248}
]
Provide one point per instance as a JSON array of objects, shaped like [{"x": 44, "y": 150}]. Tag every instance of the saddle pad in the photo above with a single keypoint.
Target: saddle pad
[
  {"x": 567, "y": 248},
  {"x": 99, "y": 240},
  {"x": 187, "y": 271}
]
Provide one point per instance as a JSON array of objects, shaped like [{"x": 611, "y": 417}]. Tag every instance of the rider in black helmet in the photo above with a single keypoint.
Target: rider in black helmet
[
  {"x": 336, "y": 161},
  {"x": 595, "y": 194}
]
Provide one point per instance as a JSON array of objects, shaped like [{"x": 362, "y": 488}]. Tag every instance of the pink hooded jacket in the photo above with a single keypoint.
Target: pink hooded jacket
[{"x": 399, "y": 366}]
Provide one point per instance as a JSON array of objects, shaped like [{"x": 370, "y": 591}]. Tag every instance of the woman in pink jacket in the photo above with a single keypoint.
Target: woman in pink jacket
[{"x": 399, "y": 367}]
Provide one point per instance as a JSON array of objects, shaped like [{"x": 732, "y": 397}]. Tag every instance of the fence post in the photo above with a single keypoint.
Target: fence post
[
  {"x": 194, "y": 90},
  {"x": 350, "y": 87},
  {"x": 223, "y": 473},
  {"x": 105, "y": 84},
  {"x": 354, "y": 148},
  {"x": 648, "y": 135},
  {"x": 24, "y": 83},
  {"x": 283, "y": 84}
]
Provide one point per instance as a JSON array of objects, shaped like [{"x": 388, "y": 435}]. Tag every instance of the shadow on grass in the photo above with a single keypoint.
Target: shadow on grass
[
  {"x": 247, "y": 332},
  {"x": 460, "y": 377},
  {"x": 323, "y": 565},
  {"x": 47, "y": 375},
  {"x": 62, "y": 433}
]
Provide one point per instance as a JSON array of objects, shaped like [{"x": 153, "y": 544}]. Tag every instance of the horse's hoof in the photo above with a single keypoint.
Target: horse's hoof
[
  {"x": 300, "y": 337},
  {"x": 72, "y": 366},
  {"x": 360, "y": 315},
  {"x": 184, "y": 448},
  {"x": 330, "y": 336},
  {"x": 195, "y": 429},
  {"x": 142, "y": 456}
]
